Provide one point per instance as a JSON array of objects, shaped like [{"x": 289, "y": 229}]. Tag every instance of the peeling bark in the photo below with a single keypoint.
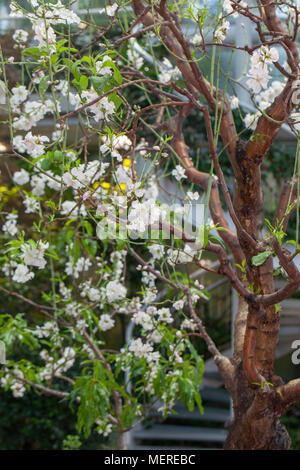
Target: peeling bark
[{"x": 256, "y": 424}]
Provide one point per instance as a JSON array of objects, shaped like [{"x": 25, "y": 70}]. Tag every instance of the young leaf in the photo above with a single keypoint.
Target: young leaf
[
  {"x": 259, "y": 259},
  {"x": 100, "y": 83}
]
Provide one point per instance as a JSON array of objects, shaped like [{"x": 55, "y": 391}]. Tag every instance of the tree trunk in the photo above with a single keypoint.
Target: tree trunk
[
  {"x": 121, "y": 441},
  {"x": 256, "y": 424},
  {"x": 264, "y": 433}
]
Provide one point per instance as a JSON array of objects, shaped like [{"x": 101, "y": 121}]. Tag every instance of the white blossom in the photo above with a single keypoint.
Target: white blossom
[
  {"x": 156, "y": 250},
  {"x": 227, "y": 6},
  {"x": 17, "y": 386},
  {"x": 102, "y": 109},
  {"x": 19, "y": 95},
  {"x": 188, "y": 324},
  {"x": 37, "y": 183},
  {"x": 167, "y": 71},
  {"x": 164, "y": 315},
  {"x": 15, "y": 11},
  {"x": 71, "y": 209},
  {"x": 22, "y": 274},
  {"x": 144, "y": 319},
  {"x": 142, "y": 214},
  {"x": 104, "y": 428},
  {"x": 85, "y": 174},
  {"x": 250, "y": 120},
  {"x": 196, "y": 40},
  {"x": 74, "y": 269},
  {"x": 193, "y": 196},
  {"x": 221, "y": 31},
  {"x": 31, "y": 204},
  {"x": 179, "y": 173},
  {"x": 234, "y": 102},
  {"x": 111, "y": 9},
  {"x": 140, "y": 349},
  {"x": 33, "y": 145},
  {"x": 21, "y": 177},
  {"x": 10, "y": 226},
  {"x": 178, "y": 305},
  {"x": 103, "y": 69},
  {"x": 106, "y": 322},
  {"x": 49, "y": 328},
  {"x": 20, "y": 36},
  {"x": 115, "y": 291},
  {"x": 259, "y": 67},
  {"x": 33, "y": 255},
  {"x": 44, "y": 34}
]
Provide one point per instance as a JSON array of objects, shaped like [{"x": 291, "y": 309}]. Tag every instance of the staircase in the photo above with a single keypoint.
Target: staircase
[
  {"x": 185, "y": 429},
  {"x": 193, "y": 430}
]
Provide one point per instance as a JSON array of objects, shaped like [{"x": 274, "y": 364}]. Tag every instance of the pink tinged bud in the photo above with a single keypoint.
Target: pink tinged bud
[
  {"x": 86, "y": 196},
  {"x": 11, "y": 59}
]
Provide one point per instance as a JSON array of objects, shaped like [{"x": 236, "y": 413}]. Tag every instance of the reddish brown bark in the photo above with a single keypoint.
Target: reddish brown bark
[{"x": 259, "y": 395}]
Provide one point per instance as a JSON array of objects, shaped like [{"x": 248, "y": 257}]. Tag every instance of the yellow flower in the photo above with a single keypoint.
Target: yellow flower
[
  {"x": 123, "y": 186},
  {"x": 3, "y": 189},
  {"x": 95, "y": 185},
  {"x": 127, "y": 162},
  {"x": 13, "y": 191},
  {"x": 105, "y": 185}
]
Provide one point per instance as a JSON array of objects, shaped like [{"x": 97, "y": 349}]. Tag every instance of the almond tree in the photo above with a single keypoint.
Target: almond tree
[{"x": 71, "y": 194}]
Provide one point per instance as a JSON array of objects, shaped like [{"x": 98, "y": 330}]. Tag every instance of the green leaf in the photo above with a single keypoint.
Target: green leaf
[
  {"x": 88, "y": 227},
  {"x": 84, "y": 82},
  {"x": 58, "y": 156},
  {"x": 203, "y": 235},
  {"x": 198, "y": 359},
  {"x": 69, "y": 49},
  {"x": 75, "y": 70},
  {"x": 218, "y": 241},
  {"x": 76, "y": 250},
  {"x": 87, "y": 59},
  {"x": 43, "y": 85},
  {"x": 46, "y": 164},
  {"x": 90, "y": 246},
  {"x": 127, "y": 416},
  {"x": 94, "y": 402},
  {"x": 35, "y": 52},
  {"x": 60, "y": 44},
  {"x": 198, "y": 400},
  {"x": 54, "y": 58},
  {"x": 100, "y": 84},
  {"x": 259, "y": 259}
]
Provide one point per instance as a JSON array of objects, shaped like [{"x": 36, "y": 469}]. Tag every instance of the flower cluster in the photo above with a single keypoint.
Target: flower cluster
[
  {"x": 84, "y": 169},
  {"x": 259, "y": 72}
]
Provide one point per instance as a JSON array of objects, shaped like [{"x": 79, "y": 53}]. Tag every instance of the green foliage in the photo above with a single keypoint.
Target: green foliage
[
  {"x": 259, "y": 259},
  {"x": 15, "y": 329},
  {"x": 94, "y": 402},
  {"x": 37, "y": 422},
  {"x": 277, "y": 230},
  {"x": 71, "y": 442}
]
